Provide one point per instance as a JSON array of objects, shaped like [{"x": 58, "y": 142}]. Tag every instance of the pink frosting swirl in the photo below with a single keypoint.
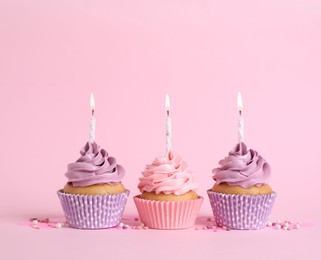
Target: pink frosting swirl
[
  {"x": 94, "y": 167},
  {"x": 242, "y": 167},
  {"x": 169, "y": 175}
]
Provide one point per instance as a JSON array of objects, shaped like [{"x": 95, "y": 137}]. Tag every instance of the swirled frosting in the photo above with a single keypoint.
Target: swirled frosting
[
  {"x": 169, "y": 175},
  {"x": 242, "y": 167},
  {"x": 94, "y": 167}
]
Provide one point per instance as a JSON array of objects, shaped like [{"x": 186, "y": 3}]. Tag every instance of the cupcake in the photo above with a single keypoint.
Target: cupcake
[
  {"x": 168, "y": 199},
  {"x": 94, "y": 196},
  {"x": 241, "y": 198}
]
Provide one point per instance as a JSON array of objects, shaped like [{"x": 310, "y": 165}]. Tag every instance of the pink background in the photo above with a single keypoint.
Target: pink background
[{"x": 130, "y": 54}]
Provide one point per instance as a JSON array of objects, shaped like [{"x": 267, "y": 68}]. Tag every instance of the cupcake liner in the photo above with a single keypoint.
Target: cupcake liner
[
  {"x": 168, "y": 214},
  {"x": 93, "y": 211},
  {"x": 241, "y": 211}
]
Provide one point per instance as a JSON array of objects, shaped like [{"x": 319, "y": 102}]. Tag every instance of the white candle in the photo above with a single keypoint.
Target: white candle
[
  {"x": 92, "y": 119},
  {"x": 168, "y": 125},
  {"x": 241, "y": 120}
]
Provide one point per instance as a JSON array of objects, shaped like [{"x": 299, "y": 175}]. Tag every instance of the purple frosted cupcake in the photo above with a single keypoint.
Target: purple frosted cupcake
[
  {"x": 241, "y": 197},
  {"x": 94, "y": 196}
]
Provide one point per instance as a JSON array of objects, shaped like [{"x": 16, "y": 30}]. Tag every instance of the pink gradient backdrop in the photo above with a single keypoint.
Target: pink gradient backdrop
[{"x": 130, "y": 54}]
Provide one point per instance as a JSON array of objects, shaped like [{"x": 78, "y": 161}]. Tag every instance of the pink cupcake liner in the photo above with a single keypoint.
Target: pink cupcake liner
[
  {"x": 93, "y": 211},
  {"x": 241, "y": 211},
  {"x": 168, "y": 214}
]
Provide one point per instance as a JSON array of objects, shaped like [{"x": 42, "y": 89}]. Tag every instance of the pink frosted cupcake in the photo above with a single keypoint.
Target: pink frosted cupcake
[
  {"x": 94, "y": 196},
  {"x": 168, "y": 199},
  {"x": 241, "y": 197}
]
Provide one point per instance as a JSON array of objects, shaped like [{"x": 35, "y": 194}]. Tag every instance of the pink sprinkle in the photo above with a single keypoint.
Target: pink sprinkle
[
  {"x": 145, "y": 227},
  {"x": 136, "y": 219},
  {"x": 224, "y": 227},
  {"x": 209, "y": 219},
  {"x": 278, "y": 226}
]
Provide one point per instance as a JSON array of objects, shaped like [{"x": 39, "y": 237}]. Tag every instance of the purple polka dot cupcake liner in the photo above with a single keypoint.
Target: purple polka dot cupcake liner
[
  {"x": 93, "y": 211},
  {"x": 243, "y": 212}
]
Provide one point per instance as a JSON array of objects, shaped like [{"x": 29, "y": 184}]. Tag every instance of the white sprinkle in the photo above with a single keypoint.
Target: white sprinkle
[
  {"x": 58, "y": 225},
  {"x": 35, "y": 222},
  {"x": 297, "y": 226}
]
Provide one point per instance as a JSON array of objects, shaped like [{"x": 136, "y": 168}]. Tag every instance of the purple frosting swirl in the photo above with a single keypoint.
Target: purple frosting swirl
[
  {"x": 242, "y": 167},
  {"x": 94, "y": 167}
]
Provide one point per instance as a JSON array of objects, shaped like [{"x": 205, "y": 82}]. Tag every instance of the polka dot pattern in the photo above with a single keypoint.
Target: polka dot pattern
[
  {"x": 241, "y": 211},
  {"x": 93, "y": 211}
]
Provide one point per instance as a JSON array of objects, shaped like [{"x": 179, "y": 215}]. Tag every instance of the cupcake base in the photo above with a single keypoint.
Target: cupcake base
[
  {"x": 93, "y": 211},
  {"x": 168, "y": 214},
  {"x": 244, "y": 212}
]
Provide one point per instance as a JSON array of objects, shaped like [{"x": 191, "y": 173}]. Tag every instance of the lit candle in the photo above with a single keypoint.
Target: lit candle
[
  {"x": 168, "y": 125},
  {"x": 241, "y": 120},
  {"x": 92, "y": 119}
]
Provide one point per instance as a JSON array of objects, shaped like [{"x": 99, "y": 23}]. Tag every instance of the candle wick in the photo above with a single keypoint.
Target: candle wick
[
  {"x": 92, "y": 112},
  {"x": 240, "y": 112},
  {"x": 167, "y": 112}
]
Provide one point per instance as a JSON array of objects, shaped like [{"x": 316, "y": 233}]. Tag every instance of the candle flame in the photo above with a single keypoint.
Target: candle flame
[
  {"x": 239, "y": 102},
  {"x": 92, "y": 101},
  {"x": 167, "y": 103}
]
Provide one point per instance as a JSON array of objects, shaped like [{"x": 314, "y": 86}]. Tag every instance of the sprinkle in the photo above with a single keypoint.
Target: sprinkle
[
  {"x": 145, "y": 227},
  {"x": 285, "y": 225},
  {"x": 58, "y": 225},
  {"x": 136, "y": 219},
  {"x": 224, "y": 228},
  {"x": 209, "y": 219},
  {"x": 269, "y": 224},
  {"x": 296, "y": 226},
  {"x": 278, "y": 226},
  {"x": 35, "y": 221},
  {"x": 125, "y": 226},
  {"x": 121, "y": 224}
]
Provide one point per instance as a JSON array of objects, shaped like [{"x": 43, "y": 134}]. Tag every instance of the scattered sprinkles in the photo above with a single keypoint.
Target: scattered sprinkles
[
  {"x": 284, "y": 225},
  {"x": 46, "y": 223},
  {"x": 202, "y": 223}
]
